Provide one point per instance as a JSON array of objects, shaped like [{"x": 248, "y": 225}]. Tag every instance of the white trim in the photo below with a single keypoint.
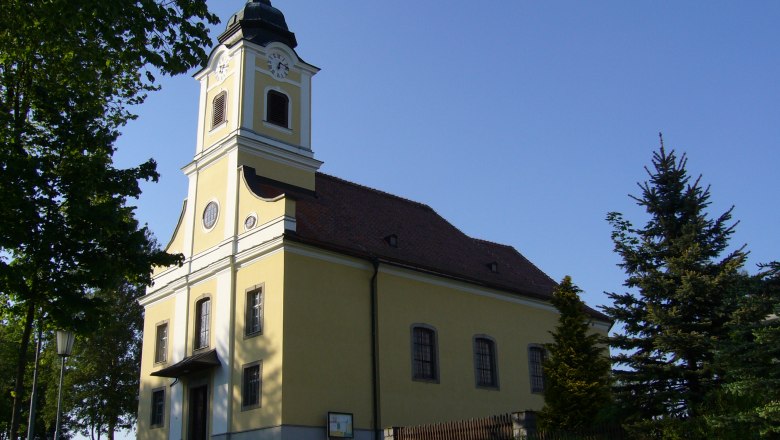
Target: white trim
[
  {"x": 250, "y": 142},
  {"x": 222, "y": 335},
  {"x": 305, "y": 127},
  {"x": 248, "y": 93},
  {"x": 201, "y": 116},
  {"x": 231, "y": 196}
]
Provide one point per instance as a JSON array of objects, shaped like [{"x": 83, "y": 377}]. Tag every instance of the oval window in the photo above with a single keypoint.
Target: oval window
[{"x": 210, "y": 215}]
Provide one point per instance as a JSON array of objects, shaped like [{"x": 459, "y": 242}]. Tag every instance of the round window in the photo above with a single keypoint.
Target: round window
[
  {"x": 250, "y": 222},
  {"x": 210, "y": 215}
]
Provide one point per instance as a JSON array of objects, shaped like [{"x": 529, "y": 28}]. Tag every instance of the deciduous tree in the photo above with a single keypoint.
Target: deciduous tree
[{"x": 70, "y": 70}]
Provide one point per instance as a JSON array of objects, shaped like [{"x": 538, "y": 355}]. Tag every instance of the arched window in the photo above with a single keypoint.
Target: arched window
[
  {"x": 202, "y": 313},
  {"x": 278, "y": 108},
  {"x": 425, "y": 362},
  {"x": 535, "y": 368},
  {"x": 485, "y": 368},
  {"x": 218, "y": 109}
]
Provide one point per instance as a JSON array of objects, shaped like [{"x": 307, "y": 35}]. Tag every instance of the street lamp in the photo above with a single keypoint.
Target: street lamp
[{"x": 64, "y": 348}]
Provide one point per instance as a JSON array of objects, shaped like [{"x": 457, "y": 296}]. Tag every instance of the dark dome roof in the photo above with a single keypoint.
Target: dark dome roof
[{"x": 260, "y": 23}]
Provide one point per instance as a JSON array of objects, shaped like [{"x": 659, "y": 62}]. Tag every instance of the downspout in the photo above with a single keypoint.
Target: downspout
[{"x": 374, "y": 348}]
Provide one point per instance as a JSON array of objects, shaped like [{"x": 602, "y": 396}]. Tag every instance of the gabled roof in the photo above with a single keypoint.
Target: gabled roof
[{"x": 353, "y": 219}]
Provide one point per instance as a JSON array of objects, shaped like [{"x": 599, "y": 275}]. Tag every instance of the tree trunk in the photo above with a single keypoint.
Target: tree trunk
[
  {"x": 111, "y": 427},
  {"x": 21, "y": 367}
]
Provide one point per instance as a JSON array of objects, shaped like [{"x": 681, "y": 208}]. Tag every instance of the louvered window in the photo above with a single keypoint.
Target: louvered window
[{"x": 219, "y": 106}]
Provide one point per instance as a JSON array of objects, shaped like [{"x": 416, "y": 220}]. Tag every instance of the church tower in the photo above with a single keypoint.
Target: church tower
[{"x": 254, "y": 111}]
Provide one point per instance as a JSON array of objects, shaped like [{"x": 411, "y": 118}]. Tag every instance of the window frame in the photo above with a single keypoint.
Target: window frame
[
  {"x": 256, "y": 289},
  {"x": 288, "y": 115},
  {"x": 153, "y": 413},
  {"x": 434, "y": 353},
  {"x": 198, "y": 342},
  {"x": 245, "y": 385},
  {"x": 536, "y": 368},
  {"x": 214, "y": 122},
  {"x": 478, "y": 365},
  {"x": 161, "y": 353}
]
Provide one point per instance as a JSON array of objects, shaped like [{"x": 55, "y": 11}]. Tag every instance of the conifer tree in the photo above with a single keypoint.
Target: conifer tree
[
  {"x": 683, "y": 291},
  {"x": 576, "y": 370},
  {"x": 749, "y": 401}
]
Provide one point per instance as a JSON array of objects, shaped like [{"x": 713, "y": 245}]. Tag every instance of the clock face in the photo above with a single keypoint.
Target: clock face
[
  {"x": 279, "y": 65},
  {"x": 222, "y": 67}
]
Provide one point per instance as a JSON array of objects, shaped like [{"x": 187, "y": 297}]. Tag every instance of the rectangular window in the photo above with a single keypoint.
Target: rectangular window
[
  {"x": 158, "y": 408},
  {"x": 251, "y": 385},
  {"x": 254, "y": 311},
  {"x": 424, "y": 361},
  {"x": 202, "y": 313},
  {"x": 485, "y": 362},
  {"x": 161, "y": 344},
  {"x": 535, "y": 367}
]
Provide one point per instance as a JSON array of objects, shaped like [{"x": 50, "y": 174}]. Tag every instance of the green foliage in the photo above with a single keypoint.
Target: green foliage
[
  {"x": 576, "y": 370},
  {"x": 103, "y": 372},
  {"x": 683, "y": 292},
  {"x": 69, "y": 72},
  {"x": 749, "y": 400}
]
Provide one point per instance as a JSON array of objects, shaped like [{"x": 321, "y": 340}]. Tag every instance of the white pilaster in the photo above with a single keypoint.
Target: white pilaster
[
  {"x": 201, "y": 114},
  {"x": 248, "y": 93},
  {"x": 179, "y": 351},
  {"x": 306, "y": 110},
  {"x": 222, "y": 335}
]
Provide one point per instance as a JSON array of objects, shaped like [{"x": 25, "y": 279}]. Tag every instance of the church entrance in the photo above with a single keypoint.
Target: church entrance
[{"x": 198, "y": 413}]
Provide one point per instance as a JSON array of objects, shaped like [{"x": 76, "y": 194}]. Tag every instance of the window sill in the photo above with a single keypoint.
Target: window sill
[{"x": 283, "y": 129}]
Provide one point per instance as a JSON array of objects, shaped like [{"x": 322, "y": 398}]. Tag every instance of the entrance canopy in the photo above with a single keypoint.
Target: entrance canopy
[{"x": 190, "y": 365}]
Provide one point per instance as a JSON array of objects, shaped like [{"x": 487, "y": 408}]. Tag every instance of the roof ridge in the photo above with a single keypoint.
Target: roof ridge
[
  {"x": 494, "y": 243},
  {"x": 377, "y": 191}
]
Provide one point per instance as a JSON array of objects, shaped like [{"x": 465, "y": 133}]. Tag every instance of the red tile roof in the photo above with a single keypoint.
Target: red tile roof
[{"x": 349, "y": 218}]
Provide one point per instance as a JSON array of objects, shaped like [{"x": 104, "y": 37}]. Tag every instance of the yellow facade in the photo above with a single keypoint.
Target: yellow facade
[{"x": 308, "y": 314}]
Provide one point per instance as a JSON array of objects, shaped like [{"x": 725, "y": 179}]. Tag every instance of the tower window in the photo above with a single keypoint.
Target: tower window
[
  {"x": 202, "y": 312},
  {"x": 278, "y": 108},
  {"x": 219, "y": 105}
]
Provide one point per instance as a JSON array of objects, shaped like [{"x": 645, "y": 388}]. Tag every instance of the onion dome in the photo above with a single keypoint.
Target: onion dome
[{"x": 260, "y": 23}]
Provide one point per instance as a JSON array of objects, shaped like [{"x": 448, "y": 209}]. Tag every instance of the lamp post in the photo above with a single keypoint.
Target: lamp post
[{"x": 64, "y": 348}]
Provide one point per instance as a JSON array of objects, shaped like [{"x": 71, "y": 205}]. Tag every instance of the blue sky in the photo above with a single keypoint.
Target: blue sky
[{"x": 521, "y": 122}]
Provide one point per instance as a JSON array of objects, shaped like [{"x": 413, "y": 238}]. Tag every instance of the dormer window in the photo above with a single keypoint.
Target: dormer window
[
  {"x": 493, "y": 267},
  {"x": 392, "y": 240},
  {"x": 278, "y": 108},
  {"x": 219, "y": 104}
]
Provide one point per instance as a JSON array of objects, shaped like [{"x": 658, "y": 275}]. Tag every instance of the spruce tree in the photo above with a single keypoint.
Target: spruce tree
[
  {"x": 749, "y": 400},
  {"x": 576, "y": 370},
  {"x": 683, "y": 289}
]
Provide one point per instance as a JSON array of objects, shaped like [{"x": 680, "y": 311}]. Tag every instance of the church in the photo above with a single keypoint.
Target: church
[{"x": 311, "y": 307}]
